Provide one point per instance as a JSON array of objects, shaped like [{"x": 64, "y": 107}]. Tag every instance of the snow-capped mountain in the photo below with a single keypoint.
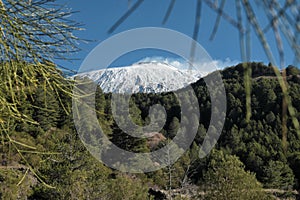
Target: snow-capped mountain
[{"x": 145, "y": 77}]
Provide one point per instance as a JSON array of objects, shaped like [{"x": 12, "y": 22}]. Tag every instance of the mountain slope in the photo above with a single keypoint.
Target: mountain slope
[{"x": 146, "y": 77}]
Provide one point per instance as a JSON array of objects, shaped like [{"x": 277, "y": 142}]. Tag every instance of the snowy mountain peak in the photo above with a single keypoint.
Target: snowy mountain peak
[{"x": 143, "y": 77}]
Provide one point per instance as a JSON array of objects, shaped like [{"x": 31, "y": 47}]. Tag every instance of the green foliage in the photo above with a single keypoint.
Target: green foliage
[
  {"x": 46, "y": 111},
  {"x": 31, "y": 35},
  {"x": 173, "y": 127},
  {"x": 292, "y": 71},
  {"x": 61, "y": 167},
  {"x": 278, "y": 175},
  {"x": 124, "y": 188},
  {"x": 11, "y": 187},
  {"x": 227, "y": 179}
]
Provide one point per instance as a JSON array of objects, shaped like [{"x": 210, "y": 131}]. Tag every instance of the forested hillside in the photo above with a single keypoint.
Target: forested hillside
[{"x": 250, "y": 160}]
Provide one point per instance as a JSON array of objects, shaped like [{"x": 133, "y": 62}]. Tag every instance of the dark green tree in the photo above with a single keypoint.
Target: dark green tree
[
  {"x": 278, "y": 175},
  {"x": 226, "y": 178}
]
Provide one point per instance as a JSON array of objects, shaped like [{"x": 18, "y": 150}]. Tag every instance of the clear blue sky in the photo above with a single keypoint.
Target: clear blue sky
[{"x": 99, "y": 15}]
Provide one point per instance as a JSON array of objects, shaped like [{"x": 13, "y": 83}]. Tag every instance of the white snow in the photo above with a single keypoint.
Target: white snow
[{"x": 145, "y": 77}]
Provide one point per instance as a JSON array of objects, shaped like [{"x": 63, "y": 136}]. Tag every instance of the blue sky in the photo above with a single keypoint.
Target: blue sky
[{"x": 98, "y": 16}]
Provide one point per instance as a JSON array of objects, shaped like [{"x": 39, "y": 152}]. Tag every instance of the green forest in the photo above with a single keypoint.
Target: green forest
[{"x": 43, "y": 157}]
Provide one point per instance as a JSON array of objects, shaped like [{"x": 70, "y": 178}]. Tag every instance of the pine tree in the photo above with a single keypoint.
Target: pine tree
[
  {"x": 226, "y": 178},
  {"x": 46, "y": 109},
  {"x": 278, "y": 175}
]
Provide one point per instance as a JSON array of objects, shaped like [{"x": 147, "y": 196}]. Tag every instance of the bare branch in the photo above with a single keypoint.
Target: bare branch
[
  {"x": 168, "y": 13},
  {"x": 125, "y": 16}
]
